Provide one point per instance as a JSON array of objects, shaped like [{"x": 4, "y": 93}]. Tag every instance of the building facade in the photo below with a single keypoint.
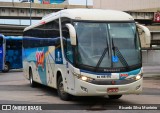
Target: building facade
[
  {"x": 126, "y": 5},
  {"x": 144, "y": 11}
]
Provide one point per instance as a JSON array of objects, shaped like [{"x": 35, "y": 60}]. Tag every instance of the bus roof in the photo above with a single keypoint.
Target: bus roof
[{"x": 85, "y": 14}]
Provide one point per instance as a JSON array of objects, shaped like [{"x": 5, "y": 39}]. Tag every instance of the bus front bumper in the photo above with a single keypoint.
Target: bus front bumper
[{"x": 83, "y": 88}]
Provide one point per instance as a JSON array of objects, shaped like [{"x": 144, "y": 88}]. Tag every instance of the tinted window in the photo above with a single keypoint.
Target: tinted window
[
  {"x": 13, "y": 44},
  {"x": 48, "y": 30},
  {"x": 40, "y": 42},
  {"x": 44, "y": 35},
  {"x": 66, "y": 40}
]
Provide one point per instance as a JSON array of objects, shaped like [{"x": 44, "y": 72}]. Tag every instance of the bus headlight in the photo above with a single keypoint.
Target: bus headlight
[
  {"x": 82, "y": 77},
  {"x": 139, "y": 76}
]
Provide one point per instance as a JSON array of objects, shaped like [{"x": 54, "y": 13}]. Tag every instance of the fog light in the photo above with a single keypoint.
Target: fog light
[
  {"x": 84, "y": 89},
  {"x": 138, "y": 77},
  {"x": 138, "y": 87},
  {"x": 84, "y": 78}
]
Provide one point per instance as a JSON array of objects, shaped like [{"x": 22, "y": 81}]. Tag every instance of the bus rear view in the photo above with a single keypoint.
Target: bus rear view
[{"x": 10, "y": 53}]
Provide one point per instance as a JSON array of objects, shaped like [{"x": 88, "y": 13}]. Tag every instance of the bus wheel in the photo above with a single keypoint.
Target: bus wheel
[
  {"x": 32, "y": 83},
  {"x": 60, "y": 88},
  {"x": 114, "y": 96},
  {"x": 6, "y": 67}
]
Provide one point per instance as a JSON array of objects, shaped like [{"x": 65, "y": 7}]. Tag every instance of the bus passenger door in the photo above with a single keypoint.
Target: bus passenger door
[
  {"x": 69, "y": 66},
  {"x": 2, "y": 52},
  {"x": 68, "y": 51},
  {"x": 70, "y": 77}
]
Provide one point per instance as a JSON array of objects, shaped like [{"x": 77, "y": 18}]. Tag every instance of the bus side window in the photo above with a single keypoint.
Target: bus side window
[{"x": 51, "y": 29}]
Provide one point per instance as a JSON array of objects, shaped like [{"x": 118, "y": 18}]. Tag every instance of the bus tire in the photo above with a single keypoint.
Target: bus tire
[
  {"x": 60, "y": 89},
  {"x": 32, "y": 83},
  {"x": 6, "y": 67},
  {"x": 114, "y": 96}
]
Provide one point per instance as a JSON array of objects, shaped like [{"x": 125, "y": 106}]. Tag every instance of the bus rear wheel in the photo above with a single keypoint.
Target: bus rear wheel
[
  {"x": 60, "y": 89},
  {"x": 32, "y": 83},
  {"x": 114, "y": 96},
  {"x": 6, "y": 67}
]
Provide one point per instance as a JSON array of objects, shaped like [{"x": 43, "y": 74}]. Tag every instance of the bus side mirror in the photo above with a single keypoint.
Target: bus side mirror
[
  {"x": 72, "y": 33},
  {"x": 145, "y": 36}
]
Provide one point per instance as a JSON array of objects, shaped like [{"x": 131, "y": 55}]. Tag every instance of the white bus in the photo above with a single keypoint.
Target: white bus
[{"x": 85, "y": 52}]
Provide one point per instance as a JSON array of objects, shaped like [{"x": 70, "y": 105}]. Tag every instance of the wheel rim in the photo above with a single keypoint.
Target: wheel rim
[
  {"x": 61, "y": 88},
  {"x": 31, "y": 80},
  {"x": 6, "y": 67}
]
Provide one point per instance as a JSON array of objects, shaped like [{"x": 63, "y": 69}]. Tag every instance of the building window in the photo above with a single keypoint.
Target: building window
[
  {"x": 12, "y": 10},
  {"x": 3, "y": 10}
]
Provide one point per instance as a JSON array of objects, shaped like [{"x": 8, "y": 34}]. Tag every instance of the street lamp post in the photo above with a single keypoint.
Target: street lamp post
[
  {"x": 30, "y": 13},
  {"x": 86, "y": 4},
  {"x": 12, "y": 2}
]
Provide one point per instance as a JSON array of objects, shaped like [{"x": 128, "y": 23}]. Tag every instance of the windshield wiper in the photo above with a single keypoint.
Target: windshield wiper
[
  {"x": 102, "y": 56},
  {"x": 119, "y": 55}
]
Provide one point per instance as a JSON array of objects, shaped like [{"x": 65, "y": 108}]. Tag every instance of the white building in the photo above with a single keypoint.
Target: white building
[
  {"x": 126, "y": 5},
  {"x": 144, "y": 11}
]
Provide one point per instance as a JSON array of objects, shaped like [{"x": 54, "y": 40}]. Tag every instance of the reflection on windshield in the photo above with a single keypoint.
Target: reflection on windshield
[
  {"x": 91, "y": 43},
  {"x": 125, "y": 39},
  {"x": 93, "y": 39}
]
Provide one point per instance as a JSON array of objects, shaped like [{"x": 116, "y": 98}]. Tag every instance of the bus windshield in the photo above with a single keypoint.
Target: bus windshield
[{"x": 107, "y": 45}]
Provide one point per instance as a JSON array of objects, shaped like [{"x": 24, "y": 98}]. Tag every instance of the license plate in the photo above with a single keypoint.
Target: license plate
[
  {"x": 113, "y": 76},
  {"x": 112, "y": 90}
]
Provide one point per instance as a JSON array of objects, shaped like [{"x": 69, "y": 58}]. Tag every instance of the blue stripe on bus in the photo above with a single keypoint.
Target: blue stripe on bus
[
  {"x": 32, "y": 38},
  {"x": 134, "y": 72},
  {"x": 13, "y": 37},
  {"x": 95, "y": 73}
]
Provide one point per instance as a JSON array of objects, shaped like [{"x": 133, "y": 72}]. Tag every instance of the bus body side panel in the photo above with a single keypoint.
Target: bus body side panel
[
  {"x": 34, "y": 58},
  {"x": 42, "y": 61},
  {"x": 25, "y": 68},
  {"x": 14, "y": 57},
  {"x": 2, "y": 53},
  {"x": 50, "y": 65},
  {"x": 1, "y": 57}
]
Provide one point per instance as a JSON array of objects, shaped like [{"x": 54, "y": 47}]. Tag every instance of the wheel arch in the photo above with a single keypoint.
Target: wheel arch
[
  {"x": 58, "y": 74},
  {"x": 29, "y": 70}
]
